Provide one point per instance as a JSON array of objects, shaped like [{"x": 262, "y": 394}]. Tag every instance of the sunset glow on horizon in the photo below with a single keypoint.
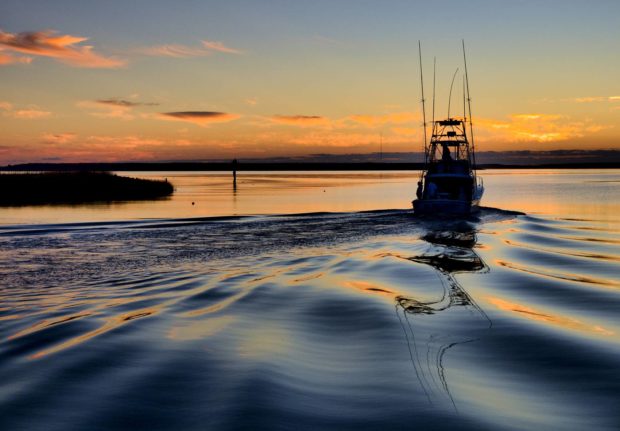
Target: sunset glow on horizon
[{"x": 151, "y": 81}]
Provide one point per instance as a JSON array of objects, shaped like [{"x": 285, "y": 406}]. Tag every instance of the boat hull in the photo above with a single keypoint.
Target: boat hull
[{"x": 445, "y": 206}]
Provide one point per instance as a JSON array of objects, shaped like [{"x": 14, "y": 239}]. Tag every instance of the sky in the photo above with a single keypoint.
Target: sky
[{"x": 94, "y": 81}]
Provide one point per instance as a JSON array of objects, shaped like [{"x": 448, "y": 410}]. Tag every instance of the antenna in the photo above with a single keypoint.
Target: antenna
[
  {"x": 471, "y": 128},
  {"x": 423, "y": 105},
  {"x": 451, "y": 84},
  {"x": 434, "y": 69}
]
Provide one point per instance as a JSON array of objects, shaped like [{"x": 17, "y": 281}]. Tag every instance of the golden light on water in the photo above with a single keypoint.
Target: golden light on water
[
  {"x": 109, "y": 325},
  {"x": 547, "y": 317}
]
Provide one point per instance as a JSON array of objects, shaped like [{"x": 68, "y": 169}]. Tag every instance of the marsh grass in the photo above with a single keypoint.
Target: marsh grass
[{"x": 77, "y": 187}]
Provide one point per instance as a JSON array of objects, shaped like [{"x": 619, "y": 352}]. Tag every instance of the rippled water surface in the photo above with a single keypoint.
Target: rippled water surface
[{"x": 362, "y": 317}]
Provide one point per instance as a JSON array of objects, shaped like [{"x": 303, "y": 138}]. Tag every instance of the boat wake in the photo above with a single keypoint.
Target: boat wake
[
  {"x": 359, "y": 321},
  {"x": 85, "y": 248}
]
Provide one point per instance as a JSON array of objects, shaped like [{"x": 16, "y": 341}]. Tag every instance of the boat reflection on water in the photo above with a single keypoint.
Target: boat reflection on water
[{"x": 431, "y": 328}]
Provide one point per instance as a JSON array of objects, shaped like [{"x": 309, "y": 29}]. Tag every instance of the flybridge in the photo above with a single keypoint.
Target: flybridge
[
  {"x": 451, "y": 131},
  {"x": 450, "y": 137}
]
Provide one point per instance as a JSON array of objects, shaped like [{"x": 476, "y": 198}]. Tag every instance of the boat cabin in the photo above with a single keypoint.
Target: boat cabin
[{"x": 449, "y": 174}]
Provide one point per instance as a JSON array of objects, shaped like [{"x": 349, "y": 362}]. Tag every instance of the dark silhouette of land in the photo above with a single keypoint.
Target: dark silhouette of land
[
  {"x": 278, "y": 166},
  {"x": 76, "y": 187}
]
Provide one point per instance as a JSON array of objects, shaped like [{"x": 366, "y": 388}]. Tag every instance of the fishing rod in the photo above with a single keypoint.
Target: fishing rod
[{"x": 423, "y": 100}]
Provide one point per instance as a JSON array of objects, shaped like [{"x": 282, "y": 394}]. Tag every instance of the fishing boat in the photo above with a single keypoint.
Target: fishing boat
[{"x": 449, "y": 183}]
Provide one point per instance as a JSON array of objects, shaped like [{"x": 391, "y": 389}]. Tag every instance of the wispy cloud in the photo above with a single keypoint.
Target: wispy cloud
[
  {"x": 103, "y": 109},
  {"x": 360, "y": 140},
  {"x": 6, "y": 58},
  {"x": 206, "y": 47},
  {"x": 63, "y": 48},
  {"x": 125, "y": 142},
  {"x": 174, "y": 50},
  {"x": 124, "y": 103},
  {"x": 356, "y": 121},
  {"x": 114, "y": 108},
  {"x": 58, "y": 138},
  {"x": 300, "y": 120},
  {"x": 251, "y": 101},
  {"x": 213, "y": 45},
  {"x": 30, "y": 113},
  {"x": 592, "y": 99},
  {"x": 200, "y": 118}
]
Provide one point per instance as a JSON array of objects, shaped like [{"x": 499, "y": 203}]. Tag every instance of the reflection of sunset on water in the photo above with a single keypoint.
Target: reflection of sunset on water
[
  {"x": 291, "y": 193},
  {"x": 563, "y": 322},
  {"x": 332, "y": 313}
]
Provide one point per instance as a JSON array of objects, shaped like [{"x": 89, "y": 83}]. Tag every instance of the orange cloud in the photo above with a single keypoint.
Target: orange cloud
[
  {"x": 58, "y": 138},
  {"x": 200, "y": 118},
  {"x": 124, "y": 103},
  {"x": 300, "y": 120},
  {"x": 542, "y": 128},
  {"x": 69, "y": 147},
  {"x": 351, "y": 122},
  {"x": 11, "y": 59},
  {"x": 124, "y": 142},
  {"x": 61, "y": 47},
  {"x": 6, "y": 59},
  {"x": 183, "y": 51},
  {"x": 597, "y": 99},
  {"x": 113, "y": 108},
  {"x": 381, "y": 120},
  {"x": 330, "y": 140},
  {"x": 220, "y": 47},
  {"x": 172, "y": 50},
  {"x": 296, "y": 141},
  {"x": 407, "y": 131},
  {"x": 29, "y": 114},
  {"x": 107, "y": 109}
]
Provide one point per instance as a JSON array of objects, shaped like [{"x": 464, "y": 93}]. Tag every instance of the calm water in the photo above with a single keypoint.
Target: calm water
[{"x": 236, "y": 313}]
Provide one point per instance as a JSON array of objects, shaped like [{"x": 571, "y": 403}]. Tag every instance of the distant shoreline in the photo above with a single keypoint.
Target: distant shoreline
[
  {"x": 19, "y": 189},
  {"x": 272, "y": 166}
]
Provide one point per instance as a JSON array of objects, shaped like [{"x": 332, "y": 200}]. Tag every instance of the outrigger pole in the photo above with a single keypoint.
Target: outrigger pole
[
  {"x": 471, "y": 128},
  {"x": 423, "y": 105},
  {"x": 464, "y": 109},
  {"x": 451, "y": 85},
  {"x": 434, "y": 69}
]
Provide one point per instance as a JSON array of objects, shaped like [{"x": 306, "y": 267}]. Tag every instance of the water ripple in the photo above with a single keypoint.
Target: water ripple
[{"x": 317, "y": 321}]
